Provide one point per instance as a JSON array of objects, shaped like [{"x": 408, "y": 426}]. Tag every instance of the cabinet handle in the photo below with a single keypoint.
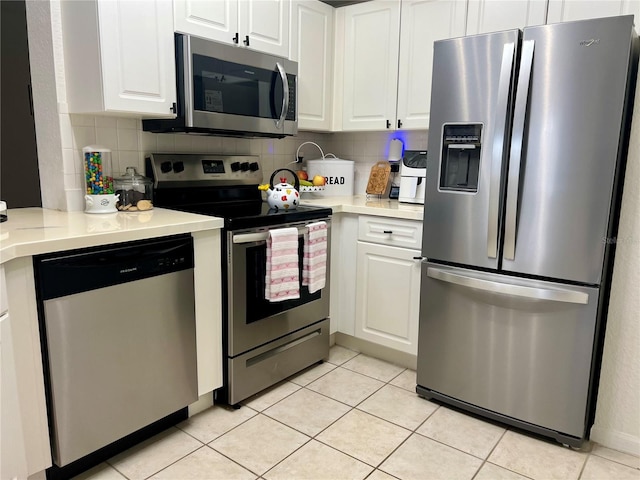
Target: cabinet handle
[
  {"x": 236, "y": 39},
  {"x": 399, "y": 123},
  {"x": 246, "y": 40},
  {"x": 387, "y": 231},
  {"x": 388, "y": 124},
  {"x": 418, "y": 258},
  {"x": 174, "y": 108}
]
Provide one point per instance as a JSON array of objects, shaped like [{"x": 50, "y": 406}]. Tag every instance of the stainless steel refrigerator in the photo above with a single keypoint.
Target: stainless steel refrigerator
[{"x": 527, "y": 145}]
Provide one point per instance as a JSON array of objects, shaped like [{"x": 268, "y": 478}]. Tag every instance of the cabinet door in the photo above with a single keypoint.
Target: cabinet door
[
  {"x": 212, "y": 20},
  {"x": 312, "y": 47},
  {"x": 486, "y": 16},
  {"x": 266, "y": 23},
  {"x": 371, "y": 38},
  {"x": 422, "y": 23},
  {"x": 388, "y": 296},
  {"x": 569, "y": 10},
  {"x": 13, "y": 463},
  {"x": 138, "y": 61}
]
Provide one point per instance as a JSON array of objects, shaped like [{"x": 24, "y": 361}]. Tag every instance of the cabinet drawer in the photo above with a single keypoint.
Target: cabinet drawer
[{"x": 390, "y": 231}]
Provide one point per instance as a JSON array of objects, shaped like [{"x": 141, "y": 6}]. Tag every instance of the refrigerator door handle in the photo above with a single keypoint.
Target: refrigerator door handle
[
  {"x": 553, "y": 295},
  {"x": 517, "y": 138},
  {"x": 500, "y": 125}
]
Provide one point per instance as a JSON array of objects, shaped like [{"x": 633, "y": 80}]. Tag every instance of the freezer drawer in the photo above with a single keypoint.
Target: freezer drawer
[{"x": 513, "y": 346}]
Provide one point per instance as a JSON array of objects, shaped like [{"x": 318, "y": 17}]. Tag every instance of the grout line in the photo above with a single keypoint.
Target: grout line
[
  {"x": 584, "y": 464},
  {"x": 173, "y": 463},
  {"x": 614, "y": 461},
  {"x": 278, "y": 463},
  {"x": 486, "y": 459},
  {"x": 236, "y": 462}
]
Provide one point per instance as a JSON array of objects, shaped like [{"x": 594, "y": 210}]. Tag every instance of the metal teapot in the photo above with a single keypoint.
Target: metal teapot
[{"x": 283, "y": 196}]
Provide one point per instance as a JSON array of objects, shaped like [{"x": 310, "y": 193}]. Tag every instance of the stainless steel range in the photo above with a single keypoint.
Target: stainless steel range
[{"x": 264, "y": 342}]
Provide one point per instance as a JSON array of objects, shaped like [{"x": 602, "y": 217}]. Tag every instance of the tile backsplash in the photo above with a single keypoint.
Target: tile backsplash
[{"x": 129, "y": 146}]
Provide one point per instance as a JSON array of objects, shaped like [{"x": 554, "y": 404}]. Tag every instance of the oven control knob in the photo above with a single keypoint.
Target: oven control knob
[
  {"x": 178, "y": 167},
  {"x": 165, "y": 167},
  {"x": 235, "y": 166},
  {"x": 253, "y": 166},
  {"x": 244, "y": 166}
]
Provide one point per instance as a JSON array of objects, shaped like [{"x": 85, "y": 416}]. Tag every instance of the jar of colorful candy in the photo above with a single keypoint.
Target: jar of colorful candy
[{"x": 99, "y": 192}]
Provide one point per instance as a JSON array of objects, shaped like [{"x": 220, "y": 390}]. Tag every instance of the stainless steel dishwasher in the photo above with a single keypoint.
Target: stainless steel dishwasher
[{"x": 118, "y": 331}]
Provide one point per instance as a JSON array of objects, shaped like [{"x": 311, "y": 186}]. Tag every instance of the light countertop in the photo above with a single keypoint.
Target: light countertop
[
  {"x": 33, "y": 231},
  {"x": 366, "y": 205}
]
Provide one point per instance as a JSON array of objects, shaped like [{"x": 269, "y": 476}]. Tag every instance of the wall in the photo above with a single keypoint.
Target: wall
[
  {"x": 617, "y": 423},
  {"x": 367, "y": 148},
  {"x": 130, "y": 145}
]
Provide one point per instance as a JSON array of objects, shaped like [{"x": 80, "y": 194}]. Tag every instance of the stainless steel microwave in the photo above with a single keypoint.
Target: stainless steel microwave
[{"x": 232, "y": 91}]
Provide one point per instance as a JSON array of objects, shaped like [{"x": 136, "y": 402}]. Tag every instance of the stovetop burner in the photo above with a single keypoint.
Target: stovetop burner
[{"x": 220, "y": 185}]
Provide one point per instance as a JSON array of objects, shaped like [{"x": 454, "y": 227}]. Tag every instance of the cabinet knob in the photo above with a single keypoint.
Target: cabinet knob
[
  {"x": 236, "y": 38},
  {"x": 388, "y": 124},
  {"x": 246, "y": 40}
]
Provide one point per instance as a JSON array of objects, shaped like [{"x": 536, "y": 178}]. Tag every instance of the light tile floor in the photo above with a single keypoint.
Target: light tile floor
[{"x": 353, "y": 417}]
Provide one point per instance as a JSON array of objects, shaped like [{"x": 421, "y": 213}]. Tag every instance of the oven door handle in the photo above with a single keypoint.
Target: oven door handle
[{"x": 258, "y": 236}]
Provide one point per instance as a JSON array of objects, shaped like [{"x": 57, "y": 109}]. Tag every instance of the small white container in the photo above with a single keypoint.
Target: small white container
[{"x": 338, "y": 173}]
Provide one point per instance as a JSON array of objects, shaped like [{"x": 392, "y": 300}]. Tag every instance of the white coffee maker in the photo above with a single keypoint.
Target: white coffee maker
[{"x": 413, "y": 174}]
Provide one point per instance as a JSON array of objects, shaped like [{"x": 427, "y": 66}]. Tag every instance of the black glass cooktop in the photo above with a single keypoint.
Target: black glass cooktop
[
  {"x": 260, "y": 215},
  {"x": 241, "y": 208}
]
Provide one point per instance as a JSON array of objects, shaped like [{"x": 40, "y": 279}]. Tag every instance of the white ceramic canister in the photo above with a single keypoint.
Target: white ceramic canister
[{"x": 338, "y": 173}]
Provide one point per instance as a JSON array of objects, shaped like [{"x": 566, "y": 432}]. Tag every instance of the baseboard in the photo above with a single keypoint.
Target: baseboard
[
  {"x": 615, "y": 440},
  {"x": 381, "y": 352}
]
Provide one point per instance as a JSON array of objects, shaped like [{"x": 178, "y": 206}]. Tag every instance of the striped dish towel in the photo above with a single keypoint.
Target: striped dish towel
[
  {"x": 282, "y": 280},
  {"x": 314, "y": 262}
]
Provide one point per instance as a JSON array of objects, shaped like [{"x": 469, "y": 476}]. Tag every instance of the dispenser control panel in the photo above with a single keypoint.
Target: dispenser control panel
[{"x": 460, "y": 160}]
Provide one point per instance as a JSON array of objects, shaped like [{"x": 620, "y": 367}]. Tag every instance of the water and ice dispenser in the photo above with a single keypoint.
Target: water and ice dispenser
[{"x": 461, "y": 149}]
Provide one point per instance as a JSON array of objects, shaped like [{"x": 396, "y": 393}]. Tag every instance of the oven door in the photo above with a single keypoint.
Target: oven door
[
  {"x": 230, "y": 88},
  {"x": 252, "y": 320}
]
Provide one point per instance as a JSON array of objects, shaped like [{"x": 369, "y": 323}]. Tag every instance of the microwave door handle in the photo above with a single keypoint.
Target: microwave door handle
[
  {"x": 517, "y": 142},
  {"x": 188, "y": 80},
  {"x": 285, "y": 94}
]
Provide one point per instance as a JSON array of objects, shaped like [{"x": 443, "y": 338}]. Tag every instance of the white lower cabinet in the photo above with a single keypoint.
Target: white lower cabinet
[
  {"x": 387, "y": 290},
  {"x": 13, "y": 462}
]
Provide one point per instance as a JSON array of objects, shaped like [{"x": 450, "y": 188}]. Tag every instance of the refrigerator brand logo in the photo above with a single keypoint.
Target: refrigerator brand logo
[
  {"x": 588, "y": 43},
  {"x": 128, "y": 270}
]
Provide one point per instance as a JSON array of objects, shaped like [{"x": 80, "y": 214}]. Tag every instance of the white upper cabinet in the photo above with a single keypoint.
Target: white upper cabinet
[
  {"x": 311, "y": 41},
  {"x": 370, "y": 75},
  {"x": 486, "y": 16},
  {"x": 261, "y": 25},
  {"x": 215, "y": 20},
  {"x": 119, "y": 56},
  {"x": 569, "y": 10},
  {"x": 422, "y": 23},
  {"x": 266, "y": 24}
]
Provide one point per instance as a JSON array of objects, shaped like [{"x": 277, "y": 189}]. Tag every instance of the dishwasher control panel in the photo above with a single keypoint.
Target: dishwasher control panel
[{"x": 76, "y": 271}]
